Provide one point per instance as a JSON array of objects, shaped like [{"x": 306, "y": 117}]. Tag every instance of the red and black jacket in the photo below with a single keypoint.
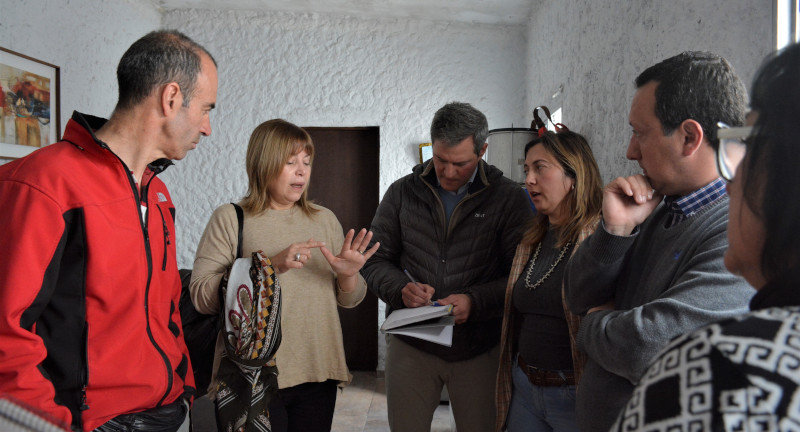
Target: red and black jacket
[{"x": 89, "y": 284}]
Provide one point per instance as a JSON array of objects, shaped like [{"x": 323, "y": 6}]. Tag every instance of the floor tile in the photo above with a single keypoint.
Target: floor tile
[{"x": 360, "y": 407}]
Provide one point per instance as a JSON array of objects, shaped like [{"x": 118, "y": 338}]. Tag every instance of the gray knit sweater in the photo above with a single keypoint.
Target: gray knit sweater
[{"x": 664, "y": 283}]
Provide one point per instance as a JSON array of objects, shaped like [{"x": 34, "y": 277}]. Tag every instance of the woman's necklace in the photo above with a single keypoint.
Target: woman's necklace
[{"x": 546, "y": 275}]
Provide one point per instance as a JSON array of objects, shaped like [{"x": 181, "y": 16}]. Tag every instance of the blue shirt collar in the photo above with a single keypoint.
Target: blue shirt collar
[
  {"x": 684, "y": 207},
  {"x": 463, "y": 188}
]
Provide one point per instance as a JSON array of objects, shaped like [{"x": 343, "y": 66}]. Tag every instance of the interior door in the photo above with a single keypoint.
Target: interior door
[{"x": 344, "y": 178}]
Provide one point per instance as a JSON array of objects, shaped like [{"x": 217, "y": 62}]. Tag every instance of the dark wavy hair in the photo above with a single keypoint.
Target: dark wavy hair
[
  {"x": 158, "y": 58},
  {"x": 696, "y": 85},
  {"x": 771, "y": 168}
]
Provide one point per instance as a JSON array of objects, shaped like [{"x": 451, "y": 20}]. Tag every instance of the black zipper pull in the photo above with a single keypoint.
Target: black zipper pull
[
  {"x": 166, "y": 238},
  {"x": 84, "y": 407},
  {"x": 166, "y": 243}
]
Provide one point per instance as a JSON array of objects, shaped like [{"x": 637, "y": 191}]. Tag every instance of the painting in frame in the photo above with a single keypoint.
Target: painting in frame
[
  {"x": 425, "y": 152},
  {"x": 29, "y": 107}
]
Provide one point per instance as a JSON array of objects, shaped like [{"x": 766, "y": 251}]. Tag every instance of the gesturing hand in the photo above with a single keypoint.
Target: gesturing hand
[
  {"x": 295, "y": 256},
  {"x": 627, "y": 202},
  {"x": 353, "y": 255}
]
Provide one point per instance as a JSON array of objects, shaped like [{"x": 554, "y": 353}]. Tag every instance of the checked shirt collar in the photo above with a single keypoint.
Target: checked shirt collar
[{"x": 682, "y": 208}]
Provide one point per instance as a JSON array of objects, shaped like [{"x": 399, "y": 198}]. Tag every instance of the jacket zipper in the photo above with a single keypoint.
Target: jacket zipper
[
  {"x": 443, "y": 218},
  {"x": 84, "y": 373},
  {"x": 458, "y": 207},
  {"x": 447, "y": 224},
  {"x": 445, "y": 228},
  {"x": 143, "y": 225},
  {"x": 147, "y": 291}
]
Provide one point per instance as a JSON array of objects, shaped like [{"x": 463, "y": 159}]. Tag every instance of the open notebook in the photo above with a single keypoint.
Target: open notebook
[{"x": 430, "y": 323}]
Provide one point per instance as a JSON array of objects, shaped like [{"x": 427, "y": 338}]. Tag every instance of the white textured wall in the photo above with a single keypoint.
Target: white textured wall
[
  {"x": 316, "y": 70},
  {"x": 85, "y": 38},
  {"x": 597, "y": 48}
]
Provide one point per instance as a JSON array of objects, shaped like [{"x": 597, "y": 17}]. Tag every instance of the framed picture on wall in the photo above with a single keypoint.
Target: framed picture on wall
[
  {"x": 425, "y": 152},
  {"x": 29, "y": 104}
]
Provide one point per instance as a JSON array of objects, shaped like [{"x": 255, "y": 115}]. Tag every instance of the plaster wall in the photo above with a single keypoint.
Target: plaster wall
[
  {"x": 323, "y": 70},
  {"x": 596, "y": 49},
  {"x": 85, "y": 38}
]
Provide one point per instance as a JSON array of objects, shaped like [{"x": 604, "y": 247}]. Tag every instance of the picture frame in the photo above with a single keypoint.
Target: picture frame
[
  {"x": 425, "y": 152},
  {"x": 30, "y": 104}
]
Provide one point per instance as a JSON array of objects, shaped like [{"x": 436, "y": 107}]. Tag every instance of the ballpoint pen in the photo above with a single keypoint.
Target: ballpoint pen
[{"x": 414, "y": 281}]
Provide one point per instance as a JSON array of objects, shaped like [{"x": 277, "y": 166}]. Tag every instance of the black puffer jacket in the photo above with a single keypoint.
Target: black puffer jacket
[{"x": 472, "y": 256}]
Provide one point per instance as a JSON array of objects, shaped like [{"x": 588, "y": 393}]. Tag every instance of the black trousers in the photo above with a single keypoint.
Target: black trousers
[{"x": 307, "y": 407}]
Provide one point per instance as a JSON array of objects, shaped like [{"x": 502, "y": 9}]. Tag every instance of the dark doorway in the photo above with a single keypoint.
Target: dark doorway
[{"x": 344, "y": 178}]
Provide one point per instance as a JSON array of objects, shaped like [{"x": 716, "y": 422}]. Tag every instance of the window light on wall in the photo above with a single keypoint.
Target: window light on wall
[{"x": 786, "y": 18}]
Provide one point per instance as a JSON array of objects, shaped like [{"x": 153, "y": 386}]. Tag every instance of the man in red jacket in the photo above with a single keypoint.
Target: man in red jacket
[{"x": 90, "y": 330}]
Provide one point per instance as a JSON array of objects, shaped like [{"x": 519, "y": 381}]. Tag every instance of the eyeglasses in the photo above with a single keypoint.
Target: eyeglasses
[{"x": 732, "y": 148}]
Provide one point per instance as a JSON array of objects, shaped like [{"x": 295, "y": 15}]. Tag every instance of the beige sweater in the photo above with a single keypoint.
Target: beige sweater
[{"x": 311, "y": 348}]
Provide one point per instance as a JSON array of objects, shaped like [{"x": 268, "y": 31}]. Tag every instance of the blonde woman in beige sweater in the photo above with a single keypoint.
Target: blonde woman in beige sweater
[{"x": 301, "y": 239}]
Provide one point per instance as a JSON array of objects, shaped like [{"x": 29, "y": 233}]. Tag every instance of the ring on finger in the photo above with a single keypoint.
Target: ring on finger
[
  {"x": 297, "y": 256},
  {"x": 362, "y": 252}
]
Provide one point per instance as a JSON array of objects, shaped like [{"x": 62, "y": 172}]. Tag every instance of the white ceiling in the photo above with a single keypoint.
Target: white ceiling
[{"x": 481, "y": 11}]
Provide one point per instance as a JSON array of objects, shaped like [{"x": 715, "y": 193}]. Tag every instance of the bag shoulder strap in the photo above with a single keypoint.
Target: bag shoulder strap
[{"x": 240, "y": 218}]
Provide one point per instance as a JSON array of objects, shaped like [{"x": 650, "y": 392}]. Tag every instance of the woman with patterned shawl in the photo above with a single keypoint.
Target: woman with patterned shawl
[{"x": 295, "y": 235}]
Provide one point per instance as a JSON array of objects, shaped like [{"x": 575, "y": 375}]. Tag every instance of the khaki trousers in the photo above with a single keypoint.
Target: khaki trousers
[{"x": 414, "y": 381}]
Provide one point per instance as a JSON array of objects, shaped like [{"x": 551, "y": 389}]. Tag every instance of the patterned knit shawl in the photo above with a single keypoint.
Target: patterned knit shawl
[
  {"x": 247, "y": 375},
  {"x": 252, "y": 311}
]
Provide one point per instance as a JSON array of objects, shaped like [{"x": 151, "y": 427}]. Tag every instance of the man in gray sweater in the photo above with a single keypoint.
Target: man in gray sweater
[{"x": 654, "y": 268}]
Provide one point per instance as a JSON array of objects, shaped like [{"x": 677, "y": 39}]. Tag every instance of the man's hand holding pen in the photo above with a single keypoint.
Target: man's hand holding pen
[{"x": 417, "y": 294}]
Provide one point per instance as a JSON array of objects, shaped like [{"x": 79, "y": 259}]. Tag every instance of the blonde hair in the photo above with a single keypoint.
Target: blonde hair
[
  {"x": 583, "y": 203},
  {"x": 271, "y": 145}
]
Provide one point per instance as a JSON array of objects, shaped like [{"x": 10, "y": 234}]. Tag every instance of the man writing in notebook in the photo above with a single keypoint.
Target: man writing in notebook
[{"x": 454, "y": 224}]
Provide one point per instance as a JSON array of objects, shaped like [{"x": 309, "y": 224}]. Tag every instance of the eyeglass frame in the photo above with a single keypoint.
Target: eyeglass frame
[{"x": 726, "y": 136}]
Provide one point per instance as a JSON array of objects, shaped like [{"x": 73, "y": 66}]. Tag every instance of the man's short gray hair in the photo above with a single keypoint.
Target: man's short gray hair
[
  {"x": 457, "y": 121},
  {"x": 158, "y": 58}
]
